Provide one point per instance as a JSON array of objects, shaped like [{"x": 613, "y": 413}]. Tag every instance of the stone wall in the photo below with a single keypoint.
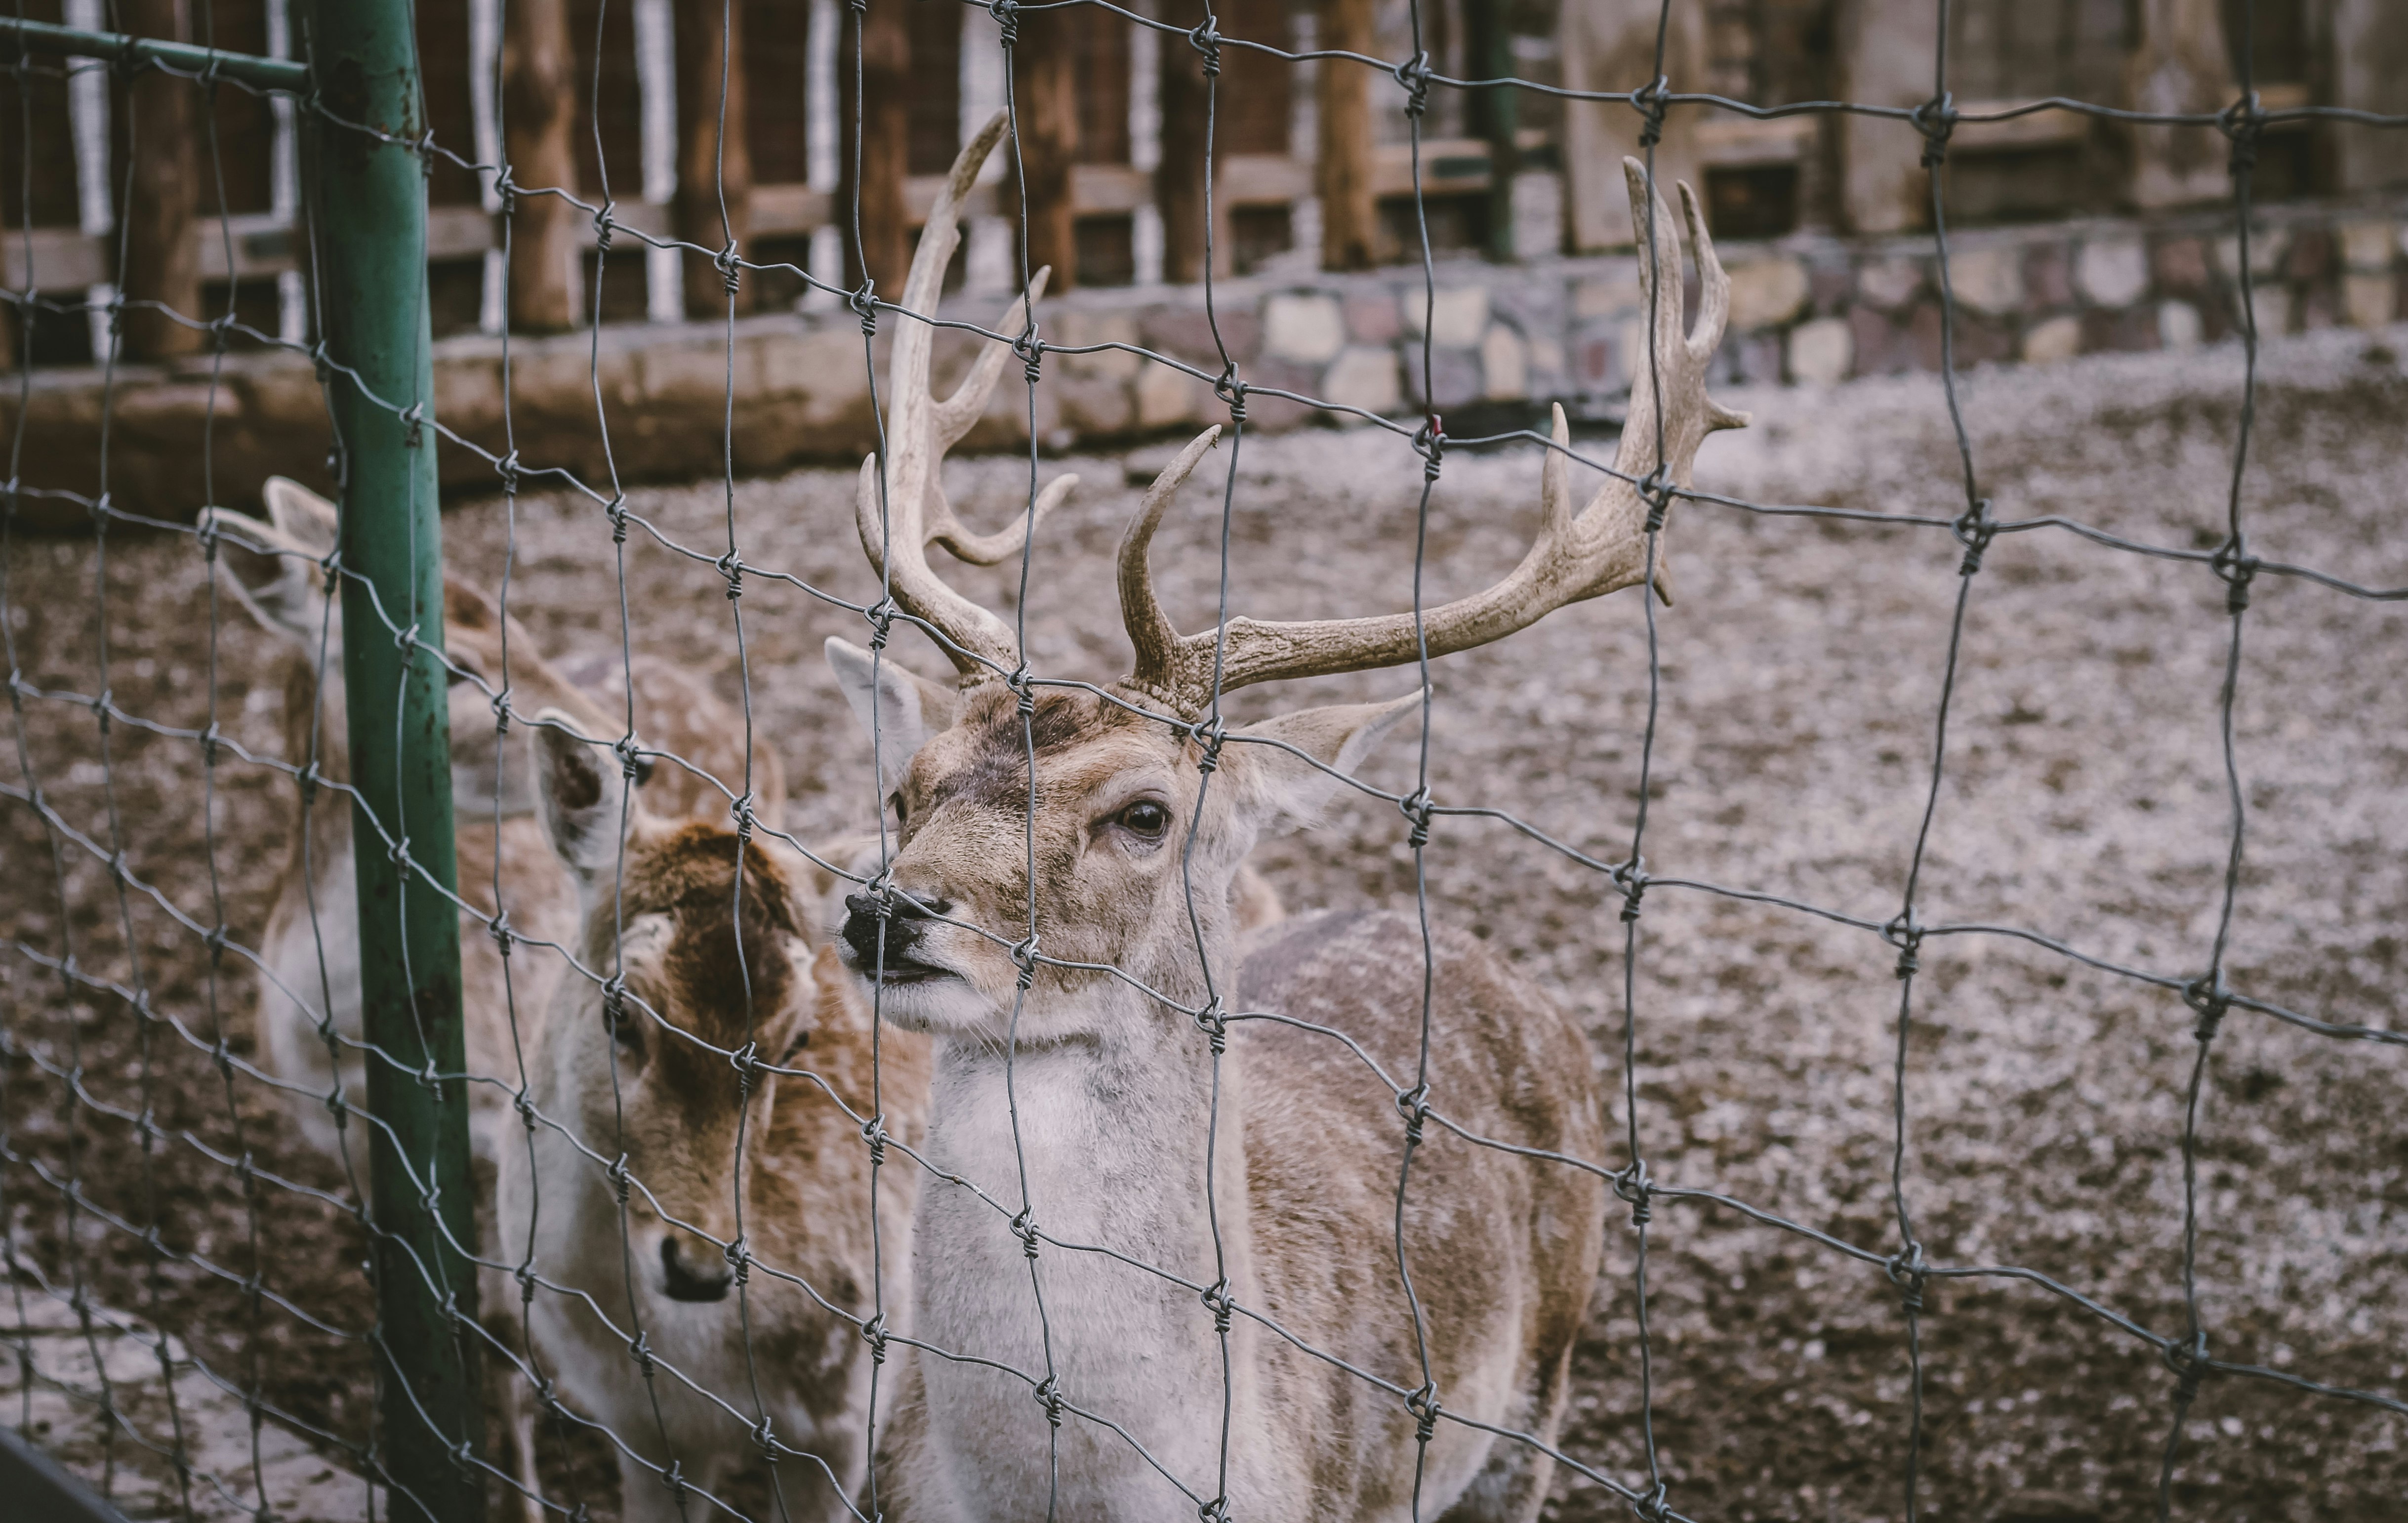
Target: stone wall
[{"x": 1810, "y": 310}]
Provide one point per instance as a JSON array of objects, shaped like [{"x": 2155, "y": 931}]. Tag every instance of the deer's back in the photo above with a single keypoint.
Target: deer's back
[{"x": 1503, "y": 1250}]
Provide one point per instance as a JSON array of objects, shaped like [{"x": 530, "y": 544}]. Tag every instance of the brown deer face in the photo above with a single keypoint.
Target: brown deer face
[
  {"x": 1119, "y": 842},
  {"x": 703, "y": 934}
]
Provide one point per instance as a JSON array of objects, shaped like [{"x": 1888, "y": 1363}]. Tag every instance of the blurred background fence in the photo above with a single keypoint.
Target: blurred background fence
[{"x": 2081, "y": 232}]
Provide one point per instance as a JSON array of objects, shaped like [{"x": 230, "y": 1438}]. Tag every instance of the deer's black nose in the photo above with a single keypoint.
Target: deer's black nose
[
  {"x": 686, "y": 1280},
  {"x": 901, "y": 924}
]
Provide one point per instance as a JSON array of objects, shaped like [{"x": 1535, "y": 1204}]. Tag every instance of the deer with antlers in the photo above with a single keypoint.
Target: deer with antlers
[{"x": 1059, "y": 920}]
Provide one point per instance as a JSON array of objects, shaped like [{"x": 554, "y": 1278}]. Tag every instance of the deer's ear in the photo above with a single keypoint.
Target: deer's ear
[
  {"x": 271, "y": 565},
  {"x": 1290, "y": 790},
  {"x": 304, "y": 516},
  {"x": 581, "y": 793},
  {"x": 900, "y": 709}
]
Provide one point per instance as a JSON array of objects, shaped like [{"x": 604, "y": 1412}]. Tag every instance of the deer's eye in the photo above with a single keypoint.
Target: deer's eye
[
  {"x": 1146, "y": 818},
  {"x": 902, "y": 809},
  {"x": 628, "y": 1032}
]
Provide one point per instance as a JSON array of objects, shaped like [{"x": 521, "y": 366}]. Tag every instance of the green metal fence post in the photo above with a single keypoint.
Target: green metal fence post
[{"x": 372, "y": 216}]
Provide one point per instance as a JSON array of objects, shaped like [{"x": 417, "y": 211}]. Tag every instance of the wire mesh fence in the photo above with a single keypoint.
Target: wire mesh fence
[{"x": 697, "y": 1150}]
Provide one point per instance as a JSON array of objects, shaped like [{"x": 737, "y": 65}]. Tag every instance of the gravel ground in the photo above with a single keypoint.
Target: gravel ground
[{"x": 2083, "y": 799}]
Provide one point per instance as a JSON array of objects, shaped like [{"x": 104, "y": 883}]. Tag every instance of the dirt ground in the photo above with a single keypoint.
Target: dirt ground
[{"x": 2083, "y": 799}]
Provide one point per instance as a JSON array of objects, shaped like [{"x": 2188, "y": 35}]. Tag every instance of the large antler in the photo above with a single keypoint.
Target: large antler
[
  {"x": 1601, "y": 550},
  {"x": 913, "y": 513}
]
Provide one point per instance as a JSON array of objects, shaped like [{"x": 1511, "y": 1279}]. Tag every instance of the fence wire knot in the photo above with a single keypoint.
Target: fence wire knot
[
  {"x": 1649, "y": 101},
  {"x": 730, "y": 267},
  {"x": 1024, "y": 688},
  {"x": 1024, "y": 1227},
  {"x": 506, "y": 468},
  {"x": 1216, "y": 1301},
  {"x": 1414, "y": 74},
  {"x": 413, "y": 425},
  {"x": 1416, "y": 807},
  {"x": 1936, "y": 119},
  {"x": 617, "y": 514},
  {"x": 1031, "y": 349},
  {"x": 1655, "y": 1507},
  {"x": 1208, "y": 737},
  {"x": 862, "y": 299},
  {"x": 731, "y": 566},
  {"x": 873, "y": 1333},
  {"x": 1215, "y": 1510},
  {"x": 1633, "y": 1188},
  {"x": 2243, "y": 122},
  {"x": 1423, "y": 1404},
  {"x": 1634, "y": 891},
  {"x": 1049, "y": 1396},
  {"x": 2236, "y": 567},
  {"x": 873, "y": 1131},
  {"x": 2210, "y": 1001},
  {"x": 1205, "y": 40},
  {"x": 1214, "y": 1021},
  {"x": 605, "y": 223},
  {"x": 1231, "y": 392},
  {"x": 1007, "y": 20},
  {"x": 2188, "y": 1361},
  {"x": 1656, "y": 488},
  {"x": 1023, "y": 956},
  {"x": 1907, "y": 1271},
  {"x": 738, "y": 1255},
  {"x": 1413, "y": 1105},
  {"x": 506, "y": 191},
  {"x": 631, "y": 757},
  {"x": 1905, "y": 933},
  {"x": 1974, "y": 528},
  {"x": 1430, "y": 442}
]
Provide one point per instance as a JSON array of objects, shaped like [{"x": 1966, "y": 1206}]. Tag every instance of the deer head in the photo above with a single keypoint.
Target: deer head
[
  {"x": 706, "y": 933},
  {"x": 273, "y": 566},
  {"x": 1133, "y": 804}
]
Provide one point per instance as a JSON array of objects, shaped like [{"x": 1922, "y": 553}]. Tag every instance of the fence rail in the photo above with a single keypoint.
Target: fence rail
[{"x": 365, "y": 132}]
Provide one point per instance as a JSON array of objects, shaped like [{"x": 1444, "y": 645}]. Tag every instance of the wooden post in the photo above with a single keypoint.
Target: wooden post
[
  {"x": 883, "y": 151},
  {"x": 1179, "y": 183},
  {"x": 1349, "y": 219},
  {"x": 708, "y": 32},
  {"x": 162, "y": 257},
  {"x": 539, "y": 115},
  {"x": 1495, "y": 115},
  {"x": 2370, "y": 72},
  {"x": 1045, "y": 84},
  {"x": 1885, "y": 59},
  {"x": 2180, "y": 65},
  {"x": 1610, "y": 45}
]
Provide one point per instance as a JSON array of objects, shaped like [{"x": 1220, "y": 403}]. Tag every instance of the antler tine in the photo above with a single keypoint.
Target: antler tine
[
  {"x": 1602, "y": 549},
  {"x": 1154, "y": 638},
  {"x": 912, "y": 512}
]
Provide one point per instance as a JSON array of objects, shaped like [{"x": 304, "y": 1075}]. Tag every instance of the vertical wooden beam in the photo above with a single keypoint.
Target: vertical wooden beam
[
  {"x": 714, "y": 196},
  {"x": 1349, "y": 219},
  {"x": 2180, "y": 65},
  {"x": 2370, "y": 72},
  {"x": 1045, "y": 84},
  {"x": 1610, "y": 45},
  {"x": 1179, "y": 183},
  {"x": 880, "y": 154},
  {"x": 1489, "y": 48},
  {"x": 162, "y": 256},
  {"x": 1885, "y": 57},
  {"x": 539, "y": 115}
]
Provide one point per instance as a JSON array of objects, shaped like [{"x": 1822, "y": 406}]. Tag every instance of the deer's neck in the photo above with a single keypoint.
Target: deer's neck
[{"x": 1111, "y": 1135}]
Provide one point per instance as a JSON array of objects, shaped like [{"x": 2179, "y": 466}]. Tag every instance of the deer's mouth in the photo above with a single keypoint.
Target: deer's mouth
[{"x": 904, "y": 971}]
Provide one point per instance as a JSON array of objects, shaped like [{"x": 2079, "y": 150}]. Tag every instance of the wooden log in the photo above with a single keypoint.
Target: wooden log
[
  {"x": 1348, "y": 216},
  {"x": 162, "y": 256},
  {"x": 1180, "y": 182},
  {"x": 1610, "y": 45},
  {"x": 1045, "y": 99},
  {"x": 1494, "y": 114},
  {"x": 1885, "y": 59},
  {"x": 2179, "y": 65},
  {"x": 539, "y": 117},
  {"x": 714, "y": 195},
  {"x": 877, "y": 162}
]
